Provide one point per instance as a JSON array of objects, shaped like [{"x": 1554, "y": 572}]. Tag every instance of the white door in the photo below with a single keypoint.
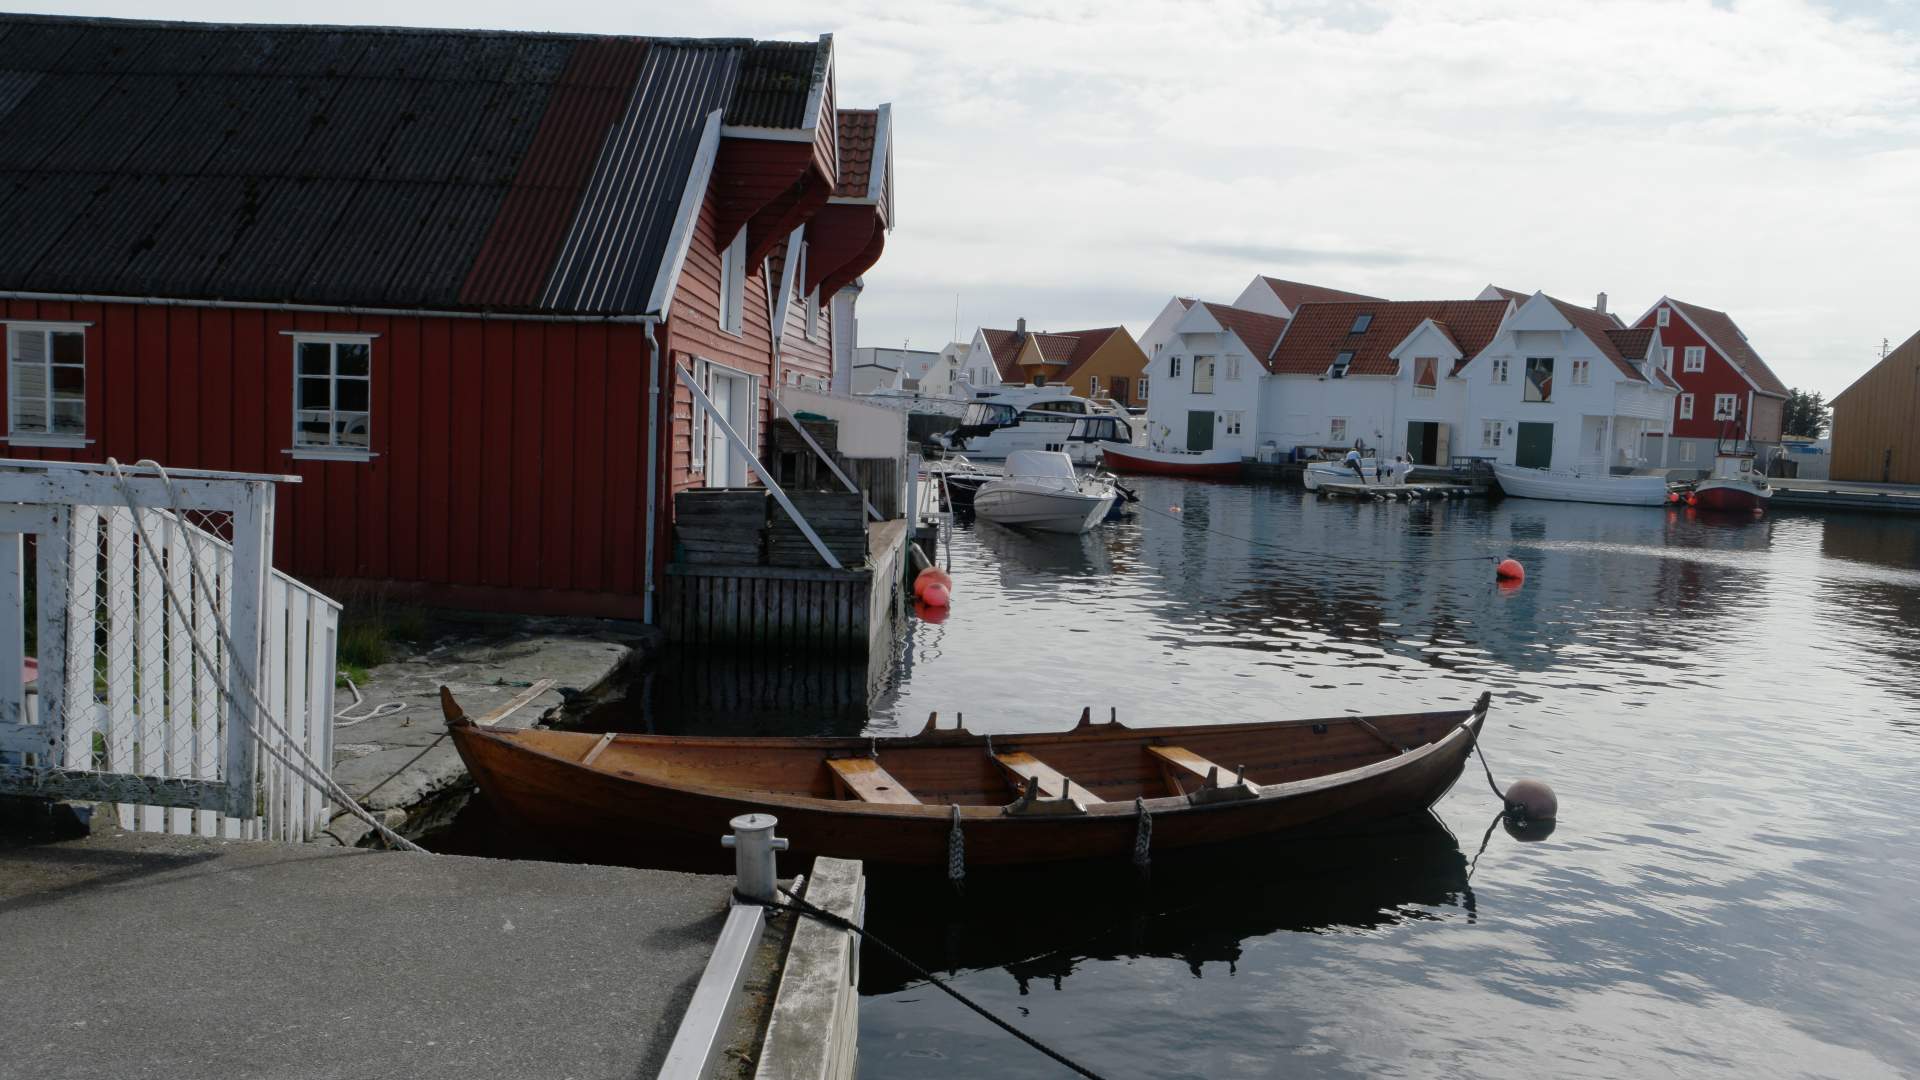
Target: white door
[{"x": 732, "y": 395}]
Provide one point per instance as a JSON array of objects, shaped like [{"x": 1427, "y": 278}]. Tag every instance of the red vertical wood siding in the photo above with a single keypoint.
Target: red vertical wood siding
[
  {"x": 1720, "y": 377},
  {"x": 508, "y": 469}
]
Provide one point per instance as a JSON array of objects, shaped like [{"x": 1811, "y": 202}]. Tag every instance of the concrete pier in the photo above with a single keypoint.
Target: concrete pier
[
  {"x": 143, "y": 957},
  {"x": 1845, "y": 495}
]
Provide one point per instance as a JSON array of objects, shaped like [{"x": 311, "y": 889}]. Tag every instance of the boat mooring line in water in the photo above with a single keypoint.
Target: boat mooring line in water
[{"x": 798, "y": 905}]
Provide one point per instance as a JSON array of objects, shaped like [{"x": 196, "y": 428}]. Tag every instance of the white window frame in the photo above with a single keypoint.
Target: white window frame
[
  {"x": 1140, "y": 388},
  {"x": 46, "y": 330},
  {"x": 813, "y": 315},
  {"x": 733, "y": 284},
  {"x": 1173, "y": 366},
  {"x": 1662, "y": 317},
  {"x": 1337, "y": 430},
  {"x": 1233, "y": 422},
  {"x": 1666, "y": 359},
  {"x": 1581, "y": 372},
  {"x": 1093, "y": 386},
  {"x": 1499, "y": 368},
  {"x": 1686, "y": 450},
  {"x": 1726, "y": 406},
  {"x": 1491, "y": 432},
  {"x": 709, "y": 431},
  {"x": 332, "y": 450},
  {"x": 1233, "y": 369},
  {"x": 1209, "y": 363},
  {"x": 1696, "y": 358},
  {"x": 1686, "y": 406}
]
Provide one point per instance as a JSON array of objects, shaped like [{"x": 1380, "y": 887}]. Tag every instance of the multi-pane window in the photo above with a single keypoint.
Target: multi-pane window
[
  {"x": 1539, "y": 379},
  {"x": 1140, "y": 388},
  {"x": 1696, "y": 359},
  {"x": 1337, "y": 430},
  {"x": 1233, "y": 422},
  {"x": 1582, "y": 372},
  {"x": 1686, "y": 451},
  {"x": 1724, "y": 406},
  {"x": 1661, "y": 318},
  {"x": 1499, "y": 369},
  {"x": 1173, "y": 367},
  {"x": 46, "y": 382},
  {"x": 333, "y": 394},
  {"x": 1203, "y": 374},
  {"x": 1490, "y": 434},
  {"x": 1686, "y": 406},
  {"x": 1233, "y": 369}
]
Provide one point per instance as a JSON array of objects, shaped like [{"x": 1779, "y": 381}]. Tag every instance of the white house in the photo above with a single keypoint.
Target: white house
[
  {"x": 1205, "y": 381},
  {"x": 1159, "y": 333},
  {"x": 1377, "y": 373},
  {"x": 1282, "y": 298},
  {"x": 1565, "y": 387}
]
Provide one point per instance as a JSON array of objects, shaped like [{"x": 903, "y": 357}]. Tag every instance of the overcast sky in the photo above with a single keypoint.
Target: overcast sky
[{"x": 1079, "y": 162}]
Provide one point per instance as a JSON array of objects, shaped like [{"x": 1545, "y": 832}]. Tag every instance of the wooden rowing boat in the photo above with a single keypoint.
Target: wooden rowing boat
[{"x": 1021, "y": 798}]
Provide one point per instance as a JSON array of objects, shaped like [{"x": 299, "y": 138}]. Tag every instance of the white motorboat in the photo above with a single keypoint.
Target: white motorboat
[
  {"x": 1582, "y": 487},
  {"x": 1040, "y": 491},
  {"x": 1021, "y": 418},
  {"x": 1091, "y": 435},
  {"x": 1339, "y": 472}
]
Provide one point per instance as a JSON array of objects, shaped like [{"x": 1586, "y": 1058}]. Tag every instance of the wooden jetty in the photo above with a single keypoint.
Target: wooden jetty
[
  {"x": 1844, "y": 495},
  {"x": 1399, "y": 492}
]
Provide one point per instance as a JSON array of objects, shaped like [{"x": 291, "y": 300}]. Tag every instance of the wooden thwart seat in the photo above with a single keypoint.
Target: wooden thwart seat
[
  {"x": 866, "y": 780},
  {"x": 1186, "y": 770},
  {"x": 1053, "y": 783}
]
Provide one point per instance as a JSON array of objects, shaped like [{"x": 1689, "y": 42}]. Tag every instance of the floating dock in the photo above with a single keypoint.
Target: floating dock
[
  {"x": 1843, "y": 495},
  {"x": 1401, "y": 492}
]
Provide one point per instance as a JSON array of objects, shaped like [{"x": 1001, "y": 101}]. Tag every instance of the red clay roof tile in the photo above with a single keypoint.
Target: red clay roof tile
[
  {"x": 1321, "y": 332},
  {"x": 1295, "y": 293}
]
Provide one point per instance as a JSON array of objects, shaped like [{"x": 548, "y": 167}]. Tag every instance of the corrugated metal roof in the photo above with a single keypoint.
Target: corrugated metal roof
[
  {"x": 363, "y": 166},
  {"x": 776, "y": 81}
]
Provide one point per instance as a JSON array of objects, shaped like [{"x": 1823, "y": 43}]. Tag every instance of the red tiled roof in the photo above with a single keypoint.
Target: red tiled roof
[
  {"x": 858, "y": 129},
  {"x": 1256, "y": 331},
  {"x": 1321, "y": 332},
  {"x": 1599, "y": 328},
  {"x": 1004, "y": 345},
  {"x": 1720, "y": 328},
  {"x": 1514, "y": 295},
  {"x": 1295, "y": 293},
  {"x": 1632, "y": 343},
  {"x": 1056, "y": 348}
]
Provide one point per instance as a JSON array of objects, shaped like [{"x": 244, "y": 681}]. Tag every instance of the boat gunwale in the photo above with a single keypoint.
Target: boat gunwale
[{"x": 1179, "y": 804}]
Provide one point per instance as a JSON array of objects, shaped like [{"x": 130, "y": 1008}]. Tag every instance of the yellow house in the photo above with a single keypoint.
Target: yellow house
[{"x": 1102, "y": 363}]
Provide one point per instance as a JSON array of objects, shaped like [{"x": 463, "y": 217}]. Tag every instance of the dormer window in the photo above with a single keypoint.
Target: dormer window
[
  {"x": 1340, "y": 365},
  {"x": 1360, "y": 324}
]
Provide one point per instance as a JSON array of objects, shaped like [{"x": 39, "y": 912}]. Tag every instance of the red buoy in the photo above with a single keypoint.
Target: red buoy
[
  {"x": 1673, "y": 496},
  {"x": 1510, "y": 570},
  {"x": 1693, "y": 500},
  {"x": 930, "y": 577},
  {"x": 936, "y": 595}
]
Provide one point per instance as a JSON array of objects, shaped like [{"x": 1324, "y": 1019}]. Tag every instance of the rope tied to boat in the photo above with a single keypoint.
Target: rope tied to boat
[
  {"x": 799, "y": 905},
  {"x": 956, "y": 851},
  {"x": 1143, "y": 836}
]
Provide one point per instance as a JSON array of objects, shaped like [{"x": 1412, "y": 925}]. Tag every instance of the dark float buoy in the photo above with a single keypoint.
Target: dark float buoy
[{"x": 1531, "y": 810}]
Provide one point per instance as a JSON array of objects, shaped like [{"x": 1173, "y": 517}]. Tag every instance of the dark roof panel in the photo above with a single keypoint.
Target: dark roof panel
[{"x": 363, "y": 166}]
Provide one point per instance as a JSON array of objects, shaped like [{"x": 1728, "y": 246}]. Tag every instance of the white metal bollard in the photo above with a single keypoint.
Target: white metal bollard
[{"x": 753, "y": 845}]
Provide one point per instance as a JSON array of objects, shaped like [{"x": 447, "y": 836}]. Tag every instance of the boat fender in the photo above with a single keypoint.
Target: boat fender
[
  {"x": 1510, "y": 570},
  {"x": 1532, "y": 800},
  {"x": 937, "y": 596}
]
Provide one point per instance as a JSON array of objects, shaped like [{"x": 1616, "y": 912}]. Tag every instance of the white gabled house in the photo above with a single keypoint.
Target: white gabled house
[
  {"x": 1567, "y": 388},
  {"x": 1206, "y": 380},
  {"x": 1158, "y": 334}
]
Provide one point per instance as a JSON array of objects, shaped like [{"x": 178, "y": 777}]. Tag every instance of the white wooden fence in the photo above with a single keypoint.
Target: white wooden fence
[{"x": 138, "y": 700}]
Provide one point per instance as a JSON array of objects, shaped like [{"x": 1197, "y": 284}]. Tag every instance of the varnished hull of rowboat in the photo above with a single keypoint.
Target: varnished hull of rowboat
[{"x": 640, "y": 795}]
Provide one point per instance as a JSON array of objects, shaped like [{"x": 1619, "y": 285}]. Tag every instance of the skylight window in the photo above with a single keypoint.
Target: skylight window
[
  {"x": 1340, "y": 365},
  {"x": 1360, "y": 324}
]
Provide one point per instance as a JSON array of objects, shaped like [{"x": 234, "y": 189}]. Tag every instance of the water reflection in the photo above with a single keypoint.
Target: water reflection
[{"x": 1040, "y": 925}]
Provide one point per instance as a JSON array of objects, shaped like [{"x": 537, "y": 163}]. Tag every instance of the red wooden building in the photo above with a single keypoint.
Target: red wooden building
[
  {"x": 1724, "y": 385},
  {"x": 446, "y": 277}
]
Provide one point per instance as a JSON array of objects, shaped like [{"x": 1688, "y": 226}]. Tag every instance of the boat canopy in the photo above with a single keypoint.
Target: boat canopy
[{"x": 1051, "y": 463}]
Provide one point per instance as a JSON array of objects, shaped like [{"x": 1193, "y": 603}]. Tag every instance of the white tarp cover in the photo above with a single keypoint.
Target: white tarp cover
[{"x": 1040, "y": 463}]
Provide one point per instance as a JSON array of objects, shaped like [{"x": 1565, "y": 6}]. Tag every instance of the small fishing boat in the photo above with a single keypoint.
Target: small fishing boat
[
  {"x": 1734, "y": 486},
  {"x": 1220, "y": 463},
  {"x": 1339, "y": 472},
  {"x": 1581, "y": 487},
  {"x": 1041, "y": 491},
  {"x": 960, "y": 480},
  {"x": 1091, "y": 792}
]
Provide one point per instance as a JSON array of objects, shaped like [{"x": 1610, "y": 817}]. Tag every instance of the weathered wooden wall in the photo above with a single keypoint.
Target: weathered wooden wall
[{"x": 1876, "y": 422}]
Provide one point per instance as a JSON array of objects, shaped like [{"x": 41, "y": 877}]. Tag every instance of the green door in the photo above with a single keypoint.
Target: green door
[
  {"x": 1200, "y": 430},
  {"x": 1534, "y": 447}
]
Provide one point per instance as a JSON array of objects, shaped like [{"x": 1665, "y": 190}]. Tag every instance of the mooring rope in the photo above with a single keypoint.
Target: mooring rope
[
  {"x": 307, "y": 769},
  {"x": 800, "y": 906},
  {"x": 1143, "y": 837},
  {"x": 956, "y": 851}
]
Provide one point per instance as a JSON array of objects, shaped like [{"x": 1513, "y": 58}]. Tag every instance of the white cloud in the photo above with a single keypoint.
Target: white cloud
[{"x": 1077, "y": 161}]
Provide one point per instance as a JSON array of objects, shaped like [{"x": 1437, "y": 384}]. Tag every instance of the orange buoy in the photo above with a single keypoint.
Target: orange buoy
[
  {"x": 1673, "y": 496},
  {"x": 1693, "y": 500},
  {"x": 937, "y": 595},
  {"x": 931, "y": 576},
  {"x": 1510, "y": 570}
]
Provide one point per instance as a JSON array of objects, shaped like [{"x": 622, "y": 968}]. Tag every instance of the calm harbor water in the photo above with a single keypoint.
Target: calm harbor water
[{"x": 1729, "y": 711}]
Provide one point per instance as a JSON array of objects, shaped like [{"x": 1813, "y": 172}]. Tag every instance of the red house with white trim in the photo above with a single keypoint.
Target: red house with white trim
[
  {"x": 446, "y": 277},
  {"x": 1725, "y": 386}
]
